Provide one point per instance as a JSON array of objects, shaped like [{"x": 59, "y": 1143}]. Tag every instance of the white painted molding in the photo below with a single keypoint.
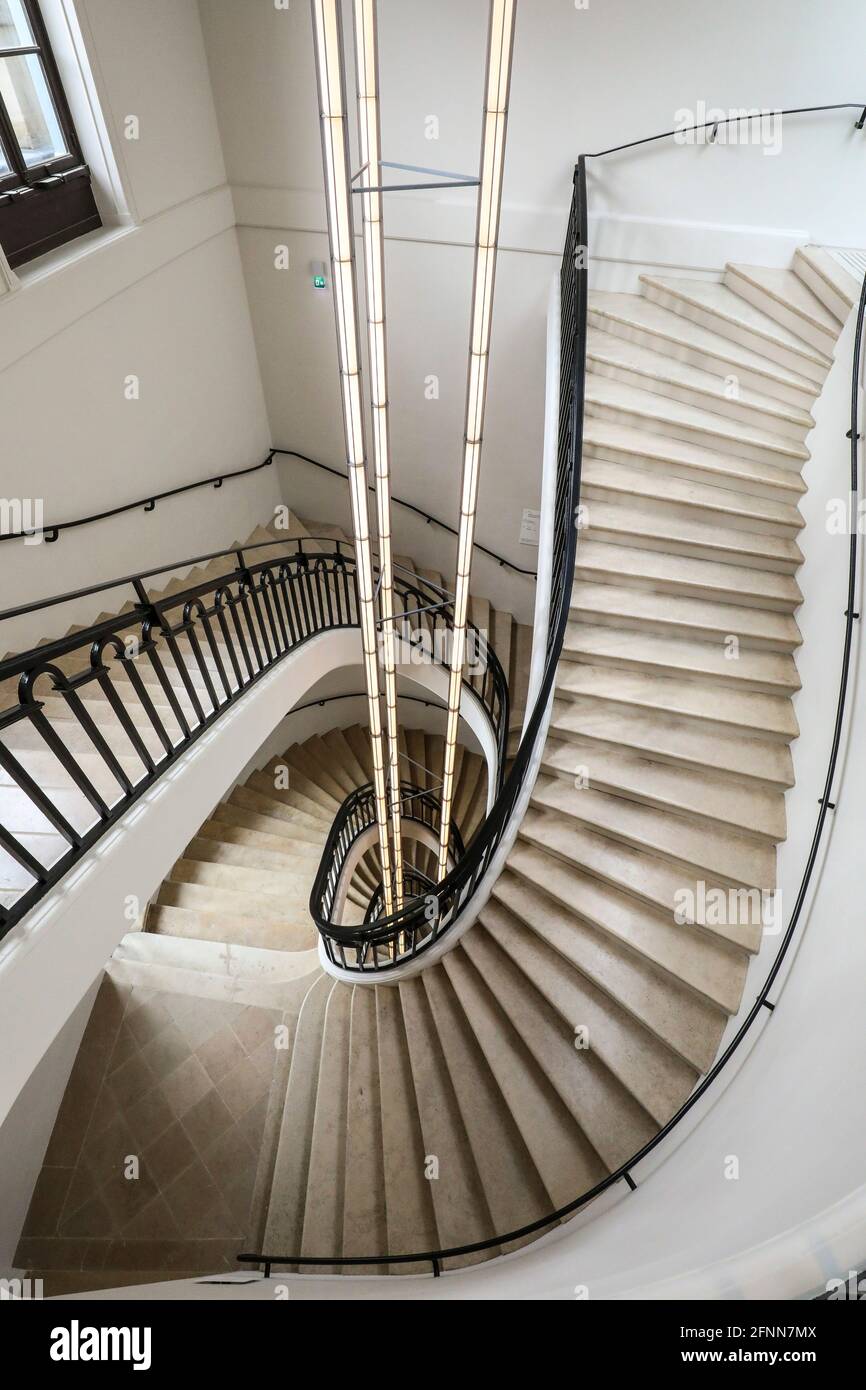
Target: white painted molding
[{"x": 674, "y": 242}]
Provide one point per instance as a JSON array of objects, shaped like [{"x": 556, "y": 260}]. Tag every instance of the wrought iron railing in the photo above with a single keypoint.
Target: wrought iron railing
[
  {"x": 162, "y": 673},
  {"x": 356, "y": 817}
]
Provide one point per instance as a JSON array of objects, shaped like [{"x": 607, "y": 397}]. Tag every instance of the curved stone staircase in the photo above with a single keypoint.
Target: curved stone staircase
[
  {"x": 247, "y": 875},
  {"x": 565, "y": 1028}
]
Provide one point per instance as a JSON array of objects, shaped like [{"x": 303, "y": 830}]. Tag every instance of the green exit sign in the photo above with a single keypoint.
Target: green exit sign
[{"x": 320, "y": 280}]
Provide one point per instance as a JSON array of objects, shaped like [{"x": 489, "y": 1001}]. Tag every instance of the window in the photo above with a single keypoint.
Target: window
[{"x": 45, "y": 193}]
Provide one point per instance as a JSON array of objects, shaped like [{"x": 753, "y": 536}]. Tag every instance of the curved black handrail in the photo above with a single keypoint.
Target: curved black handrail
[
  {"x": 169, "y": 667},
  {"x": 571, "y": 406},
  {"x": 425, "y": 516},
  {"x": 147, "y": 504},
  {"x": 735, "y": 119},
  {"x": 53, "y": 532},
  {"x": 357, "y": 816}
]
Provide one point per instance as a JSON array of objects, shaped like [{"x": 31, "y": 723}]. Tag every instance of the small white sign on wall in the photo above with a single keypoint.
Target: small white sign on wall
[{"x": 529, "y": 525}]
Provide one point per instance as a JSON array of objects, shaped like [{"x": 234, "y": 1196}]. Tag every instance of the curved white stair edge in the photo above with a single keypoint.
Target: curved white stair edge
[
  {"x": 50, "y": 959},
  {"x": 467, "y": 919},
  {"x": 452, "y": 934}
]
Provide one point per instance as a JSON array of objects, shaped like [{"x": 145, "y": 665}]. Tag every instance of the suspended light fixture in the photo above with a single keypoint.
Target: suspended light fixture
[
  {"x": 498, "y": 81},
  {"x": 367, "y": 68},
  {"x": 328, "y": 38}
]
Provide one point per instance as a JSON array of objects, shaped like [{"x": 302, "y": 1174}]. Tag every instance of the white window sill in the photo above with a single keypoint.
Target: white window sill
[{"x": 34, "y": 272}]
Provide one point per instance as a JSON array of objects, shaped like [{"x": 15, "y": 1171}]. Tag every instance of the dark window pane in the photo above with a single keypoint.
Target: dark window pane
[{"x": 31, "y": 110}]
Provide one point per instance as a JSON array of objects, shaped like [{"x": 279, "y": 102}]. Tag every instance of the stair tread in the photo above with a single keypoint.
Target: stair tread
[
  {"x": 670, "y": 490},
  {"x": 284, "y": 1221},
  {"x": 730, "y": 308},
  {"x": 203, "y": 924},
  {"x": 639, "y": 312},
  {"x": 786, "y": 287},
  {"x": 291, "y": 886},
  {"x": 713, "y": 466},
  {"x": 679, "y": 535},
  {"x": 409, "y": 1214},
  {"x": 217, "y": 850},
  {"x": 562, "y": 1156},
  {"x": 721, "y": 430},
  {"x": 773, "y": 672},
  {"x": 669, "y": 739},
  {"x": 461, "y": 1212},
  {"x": 326, "y": 1173},
  {"x": 364, "y": 1221},
  {"x": 646, "y": 876},
  {"x": 513, "y": 1190},
  {"x": 711, "y": 578},
  {"x": 840, "y": 281},
  {"x": 742, "y": 711},
  {"x": 657, "y": 1077},
  {"x": 698, "y": 794},
  {"x": 676, "y": 1015},
  {"x": 232, "y": 813},
  {"x": 617, "y": 352},
  {"x": 607, "y": 1114},
  {"x": 684, "y": 615},
  {"x": 736, "y": 859},
  {"x": 710, "y": 969}
]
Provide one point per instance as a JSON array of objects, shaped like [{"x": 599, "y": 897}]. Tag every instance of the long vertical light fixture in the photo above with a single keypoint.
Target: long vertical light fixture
[
  {"x": 498, "y": 81},
  {"x": 367, "y": 68},
  {"x": 328, "y": 37}
]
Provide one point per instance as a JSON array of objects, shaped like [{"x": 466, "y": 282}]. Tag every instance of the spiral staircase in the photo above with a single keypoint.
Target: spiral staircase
[{"x": 281, "y": 1107}]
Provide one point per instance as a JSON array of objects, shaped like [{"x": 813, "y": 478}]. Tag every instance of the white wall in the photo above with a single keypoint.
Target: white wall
[
  {"x": 162, "y": 298},
  {"x": 26, "y": 1130},
  {"x": 584, "y": 79}
]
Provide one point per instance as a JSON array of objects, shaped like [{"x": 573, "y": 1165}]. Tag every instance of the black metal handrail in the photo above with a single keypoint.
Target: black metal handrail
[
  {"x": 147, "y": 504},
  {"x": 427, "y": 517},
  {"x": 53, "y": 532},
  {"x": 167, "y": 669},
  {"x": 572, "y": 365},
  {"x": 356, "y": 817}
]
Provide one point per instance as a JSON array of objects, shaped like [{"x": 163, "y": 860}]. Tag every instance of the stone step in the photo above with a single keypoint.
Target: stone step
[
  {"x": 622, "y": 404},
  {"x": 716, "y": 306},
  {"x": 627, "y": 361},
  {"x": 637, "y": 319}
]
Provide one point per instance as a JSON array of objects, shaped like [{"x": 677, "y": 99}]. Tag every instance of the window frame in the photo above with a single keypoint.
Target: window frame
[{"x": 43, "y": 206}]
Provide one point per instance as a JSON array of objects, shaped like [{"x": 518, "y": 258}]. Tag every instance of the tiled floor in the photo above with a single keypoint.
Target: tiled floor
[{"x": 152, "y": 1163}]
